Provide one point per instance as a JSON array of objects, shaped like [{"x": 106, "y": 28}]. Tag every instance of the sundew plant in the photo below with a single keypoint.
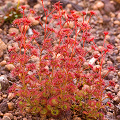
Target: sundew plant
[{"x": 57, "y": 81}]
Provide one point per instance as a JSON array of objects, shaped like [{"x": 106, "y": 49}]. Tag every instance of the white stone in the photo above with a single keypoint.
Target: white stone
[
  {"x": 30, "y": 32},
  {"x": 92, "y": 61}
]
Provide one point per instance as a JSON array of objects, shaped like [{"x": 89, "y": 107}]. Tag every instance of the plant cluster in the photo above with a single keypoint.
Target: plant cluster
[
  {"x": 58, "y": 82},
  {"x": 9, "y": 12}
]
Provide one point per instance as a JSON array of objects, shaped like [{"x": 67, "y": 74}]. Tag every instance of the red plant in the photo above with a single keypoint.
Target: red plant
[
  {"x": 58, "y": 80},
  {"x": 110, "y": 95}
]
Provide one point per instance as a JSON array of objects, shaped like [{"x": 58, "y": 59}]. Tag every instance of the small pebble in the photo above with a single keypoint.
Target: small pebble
[
  {"x": 118, "y": 66},
  {"x": 3, "y": 46},
  {"x": 107, "y": 37},
  {"x": 112, "y": 14},
  {"x": 27, "y": 109},
  {"x": 51, "y": 119},
  {"x": 1, "y": 114},
  {"x": 85, "y": 64},
  {"x": 1, "y": 98},
  {"x": 10, "y": 106},
  {"x": 116, "y": 99},
  {"x": 9, "y": 47},
  {"x": 118, "y": 47},
  {"x": 106, "y": 19},
  {"x": 3, "y": 107},
  {"x": 19, "y": 117},
  {"x": 116, "y": 51},
  {"x": 110, "y": 115},
  {"x": 30, "y": 32},
  {"x": 71, "y": 24},
  {"x": 6, "y": 118},
  {"x": 85, "y": 87},
  {"x": 109, "y": 63},
  {"x": 116, "y": 88},
  {"x": 101, "y": 48},
  {"x": 11, "y": 96},
  {"x": 96, "y": 52},
  {"x": 117, "y": 22},
  {"x": 15, "y": 118},
  {"x": 26, "y": 27},
  {"x": 119, "y": 74},
  {"x": 118, "y": 59},
  {"x": 15, "y": 44},
  {"x": 25, "y": 119},
  {"x": 38, "y": 8},
  {"x": 77, "y": 118},
  {"x": 9, "y": 67},
  {"x": 34, "y": 58},
  {"x": 33, "y": 21},
  {"x": 118, "y": 15},
  {"x": 96, "y": 68},
  {"x": 104, "y": 72},
  {"x": 108, "y": 8},
  {"x": 100, "y": 21},
  {"x": 118, "y": 36},
  {"x": 1, "y": 30},
  {"x": 44, "y": 19},
  {"x": 3, "y": 63},
  {"x": 5, "y": 96},
  {"x": 22, "y": 2},
  {"x": 8, "y": 115},
  {"x": 4, "y": 83},
  {"x": 6, "y": 57},
  {"x": 98, "y": 5},
  {"x": 110, "y": 76},
  {"x": 69, "y": 6},
  {"x": 11, "y": 30},
  {"x": 1, "y": 53},
  {"x": 118, "y": 94}
]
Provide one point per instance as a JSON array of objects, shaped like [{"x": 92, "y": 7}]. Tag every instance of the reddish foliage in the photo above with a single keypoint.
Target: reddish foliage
[{"x": 58, "y": 80}]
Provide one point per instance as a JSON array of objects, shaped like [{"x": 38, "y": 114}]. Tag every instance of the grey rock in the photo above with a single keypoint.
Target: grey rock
[
  {"x": 30, "y": 32},
  {"x": 3, "y": 107},
  {"x": 118, "y": 66},
  {"x": 105, "y": 100}
]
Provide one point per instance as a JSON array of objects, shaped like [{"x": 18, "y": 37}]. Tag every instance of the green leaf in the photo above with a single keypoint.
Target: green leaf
[
  {"x": 43, "y": 111},
  {"x": 20, "y": 102},
  {"x": 80, "y": 104}
]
